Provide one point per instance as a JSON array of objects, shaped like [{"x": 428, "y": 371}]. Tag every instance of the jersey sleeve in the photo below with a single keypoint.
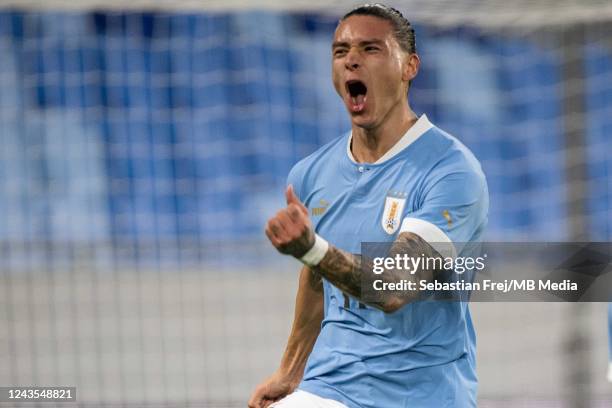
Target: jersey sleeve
[
  {"x": 296, "y": 179},
  {"x": 453, "y": 209}
]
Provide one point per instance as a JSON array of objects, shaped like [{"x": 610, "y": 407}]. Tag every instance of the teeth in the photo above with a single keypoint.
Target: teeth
[{"x": 354, "y": 99}]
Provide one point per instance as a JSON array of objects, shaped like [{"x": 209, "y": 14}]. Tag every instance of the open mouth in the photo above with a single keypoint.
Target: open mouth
[{"x": 357, "y": 95}]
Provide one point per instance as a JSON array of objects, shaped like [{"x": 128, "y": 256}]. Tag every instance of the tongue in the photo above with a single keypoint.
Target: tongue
[{"x": 358, "y": 103}]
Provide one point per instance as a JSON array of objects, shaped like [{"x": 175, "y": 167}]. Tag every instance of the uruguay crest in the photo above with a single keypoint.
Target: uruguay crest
[{"x": 392, "y": 214}]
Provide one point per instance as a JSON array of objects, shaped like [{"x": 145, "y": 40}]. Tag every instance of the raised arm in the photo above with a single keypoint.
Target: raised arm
[
  {"x": 291, "y": 232},
  {"x": 345, "y": 270}
]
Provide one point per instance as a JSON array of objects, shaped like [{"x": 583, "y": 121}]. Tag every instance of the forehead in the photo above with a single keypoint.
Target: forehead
[{"x": 359, "y": 28}]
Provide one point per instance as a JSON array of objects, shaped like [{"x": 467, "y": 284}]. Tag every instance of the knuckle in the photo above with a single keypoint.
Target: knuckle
[{"x": 295, "y": 211}]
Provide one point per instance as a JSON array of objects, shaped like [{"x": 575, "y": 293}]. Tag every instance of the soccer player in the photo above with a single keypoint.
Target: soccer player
[{"x": 394, "y": 178}]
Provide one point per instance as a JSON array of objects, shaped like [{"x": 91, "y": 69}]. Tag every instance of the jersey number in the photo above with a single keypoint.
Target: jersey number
[{"x": 347, "y": 302}]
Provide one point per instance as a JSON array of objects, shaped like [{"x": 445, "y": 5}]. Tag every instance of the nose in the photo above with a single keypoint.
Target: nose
[{"x": 351, "y": 62}]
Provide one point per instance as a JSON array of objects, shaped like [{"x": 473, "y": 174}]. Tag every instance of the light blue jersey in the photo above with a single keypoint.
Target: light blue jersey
[{"x": 424, "y": 354}]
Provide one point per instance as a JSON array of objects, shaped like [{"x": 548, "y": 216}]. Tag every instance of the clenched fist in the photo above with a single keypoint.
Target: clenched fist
[
  {"x": 290, "y": 230},
  {"x": 273, "y": 389}
]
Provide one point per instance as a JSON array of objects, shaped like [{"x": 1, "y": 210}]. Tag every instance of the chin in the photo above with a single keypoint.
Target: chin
[{"x": 363, "y": 121}]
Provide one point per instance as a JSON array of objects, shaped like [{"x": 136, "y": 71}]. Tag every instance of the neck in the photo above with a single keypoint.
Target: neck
[{"x": 370, "y": 144}]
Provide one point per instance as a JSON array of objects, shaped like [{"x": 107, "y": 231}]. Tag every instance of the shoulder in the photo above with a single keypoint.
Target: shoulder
[
  {"x": 451, "y": 158},
  {"x": 307, "y": 168}
]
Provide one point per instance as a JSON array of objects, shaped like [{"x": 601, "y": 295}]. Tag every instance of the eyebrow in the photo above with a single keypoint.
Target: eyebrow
[{"x": 362, "y": 43}]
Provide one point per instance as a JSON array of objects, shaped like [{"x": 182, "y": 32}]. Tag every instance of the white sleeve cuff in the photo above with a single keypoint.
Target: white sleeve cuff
[
  {"x": 316, "y": 253},
  {"x": 610, "y": 372},
  {"x": 433, "y": 235}
]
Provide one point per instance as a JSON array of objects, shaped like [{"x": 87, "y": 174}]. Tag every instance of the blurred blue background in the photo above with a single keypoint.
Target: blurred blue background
[{"x": 177, "y": 129}]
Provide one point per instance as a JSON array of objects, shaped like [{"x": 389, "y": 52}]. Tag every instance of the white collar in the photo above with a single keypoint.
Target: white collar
[{"x": 421, "y": 126}]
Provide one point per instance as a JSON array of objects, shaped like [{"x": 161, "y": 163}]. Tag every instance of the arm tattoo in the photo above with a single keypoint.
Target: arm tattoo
[{"x": 344, "y": 270}]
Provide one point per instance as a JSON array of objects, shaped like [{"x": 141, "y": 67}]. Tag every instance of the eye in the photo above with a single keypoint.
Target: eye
[
  {"x": 339, "y": 52},
  {"x": 372, "y": 48}
]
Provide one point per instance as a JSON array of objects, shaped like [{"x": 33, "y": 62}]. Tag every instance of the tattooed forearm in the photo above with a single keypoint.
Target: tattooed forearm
[
  {"x": 414, "y": 246},
  {"x": 344, "y": 270}
]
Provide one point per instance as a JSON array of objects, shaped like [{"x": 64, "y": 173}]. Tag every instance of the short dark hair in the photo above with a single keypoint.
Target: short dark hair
[{"x": 402, "y": 29}]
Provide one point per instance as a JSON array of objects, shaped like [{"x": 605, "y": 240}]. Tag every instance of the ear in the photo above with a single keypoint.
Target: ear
[{"x": 411, "y": 67}]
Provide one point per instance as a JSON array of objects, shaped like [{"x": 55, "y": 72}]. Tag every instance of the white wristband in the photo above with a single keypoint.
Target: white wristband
[{"x": 316, "y": 253}]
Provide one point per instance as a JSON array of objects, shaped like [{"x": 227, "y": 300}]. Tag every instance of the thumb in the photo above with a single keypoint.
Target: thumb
[{"x": 293, "y": 199}]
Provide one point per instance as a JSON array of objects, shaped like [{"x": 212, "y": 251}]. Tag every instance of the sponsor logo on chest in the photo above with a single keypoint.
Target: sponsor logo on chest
[{"x": 317, "y": 211}]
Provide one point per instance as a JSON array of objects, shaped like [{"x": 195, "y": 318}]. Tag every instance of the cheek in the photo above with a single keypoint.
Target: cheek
[
  {"x": 387, "y": 85},
  {"x": 336, "y": 80},
  {"x": 393, "y": 79}
]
